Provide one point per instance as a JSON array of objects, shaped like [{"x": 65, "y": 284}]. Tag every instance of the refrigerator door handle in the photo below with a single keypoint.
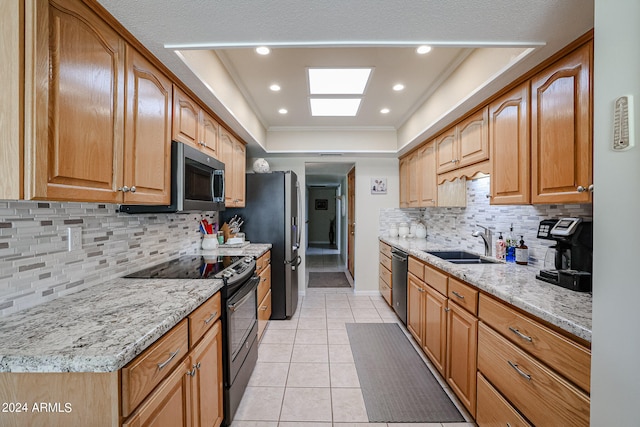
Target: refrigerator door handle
[{"x": 298, "y": 228}]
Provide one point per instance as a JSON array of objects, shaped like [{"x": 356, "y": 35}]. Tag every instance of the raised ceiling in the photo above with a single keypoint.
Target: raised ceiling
[{"x": 380, "y": 34}]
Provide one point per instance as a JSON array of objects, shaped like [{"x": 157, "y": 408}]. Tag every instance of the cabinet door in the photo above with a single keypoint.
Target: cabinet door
[
  {"x": 404, "y": 182},
  {"x": 239, "y": 169},
  {"x": 473, "y": 134},
  {"x": 79, "y": 118},
  {"x": 561, "y": 130},
  {"x": 415, "y": 307},
  {"x": 428, "y": 176},
  {"x": 225, "y": 151},
  {"x": 462, "y": 349},
  {"x": 509, "y": 136},
  {"x": 435, "y": 324},
  {"x": 264, "y": 313},
  {"x": 209, "y": 135},
  {"x": 147, "y": 153},
  {"x": 447, "y": 151},
  {"x": 206, "y": 384},
  {"x": 186, "y": 117},
  {"x": 169, "y": 403},
  {"x": 414, "y": 180}
]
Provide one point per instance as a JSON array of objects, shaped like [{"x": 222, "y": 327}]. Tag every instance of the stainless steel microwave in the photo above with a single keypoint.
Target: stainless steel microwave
[{"x": 197, "y": 183}]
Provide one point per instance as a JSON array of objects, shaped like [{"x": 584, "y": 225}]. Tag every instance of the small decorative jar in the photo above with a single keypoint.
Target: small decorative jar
[
  {"x": 393, "y": 231},
  {"x": 421, "y": 231},
  {"x": 209, "y": 241},
  {"x": 403, "y": 229}
]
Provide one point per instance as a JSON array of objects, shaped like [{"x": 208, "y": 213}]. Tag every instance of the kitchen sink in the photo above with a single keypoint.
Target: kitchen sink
[{"x": 462, "y": 257}]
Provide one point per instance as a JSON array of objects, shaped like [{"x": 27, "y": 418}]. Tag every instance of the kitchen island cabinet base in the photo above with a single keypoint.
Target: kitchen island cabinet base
[{"x": 59, "y": 399}]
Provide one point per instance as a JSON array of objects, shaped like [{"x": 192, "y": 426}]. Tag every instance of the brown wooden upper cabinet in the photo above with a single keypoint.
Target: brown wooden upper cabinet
[
  {"x": 562, "y": 130},
  {"x": 194, "y": 126},
  {"x": 509, "y": 136},
  {"x": 87, "y": 80},
  {"x": 233, "y": 155},
  {"x": 403, "y": 166},
  {"x": 464, "y": 144},
  {"x": 427, "y": 175}
]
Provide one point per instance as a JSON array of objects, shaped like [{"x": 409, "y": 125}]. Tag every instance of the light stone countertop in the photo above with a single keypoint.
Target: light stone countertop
[
  {"x": 515, "y": 284},
  {"x": 102, "y": 328}
]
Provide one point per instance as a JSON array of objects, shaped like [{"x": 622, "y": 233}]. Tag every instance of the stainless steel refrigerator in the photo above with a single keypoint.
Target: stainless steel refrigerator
[{"x": 271, "y": 215}]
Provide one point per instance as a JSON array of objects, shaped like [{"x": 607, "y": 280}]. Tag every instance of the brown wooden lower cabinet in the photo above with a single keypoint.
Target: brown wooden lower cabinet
[
  {"x": 493, "y": 409},
  {"x": 542, "y": 396},
  {"x": 264, "y": 313},
  {"x": 415, "y": 308},
  {"x": 462, "y": 347},
  {"x": 384, "y": 273},
  {"x": 435, "y": 328},
  {"x": 264, "y": 292}
]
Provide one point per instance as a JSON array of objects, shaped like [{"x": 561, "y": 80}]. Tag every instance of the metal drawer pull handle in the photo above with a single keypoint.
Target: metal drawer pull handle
[
  {"x": 197, "y": 366},
  {"x": 213, "y": 316},
  {"x": 447, "y": 309},
  {"x": 514, "y": 366},
  {"x": 457, "y": 294},
  {"x": 192, "y": 372},
  {"x": 421, "y": 290},
  {"x": 263, "y": 308},
  {"x": 166, "y": 362},
  {"x": 520, "y": 334},
  {"x": 264, "y": 279}
]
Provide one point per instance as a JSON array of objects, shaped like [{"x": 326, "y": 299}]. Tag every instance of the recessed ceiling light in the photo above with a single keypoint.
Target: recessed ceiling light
[
  {"x": 423, "y": 49},
  {"x": 283, "y": 111},
  {"x": 338, "y": 81},
  {"x": 275, "y": 87},
  {"x": 398, "y": 87},
  {"x": 344, "y": 107},
  {"x": 385, "y": 111},
  {"x": 263, "y": 50}
]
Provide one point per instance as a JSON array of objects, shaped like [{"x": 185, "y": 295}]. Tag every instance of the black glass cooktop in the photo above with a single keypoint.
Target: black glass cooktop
[{"x": 186, "y": 267}]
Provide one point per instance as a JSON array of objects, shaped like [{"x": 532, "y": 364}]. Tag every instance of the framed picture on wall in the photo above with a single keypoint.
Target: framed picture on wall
[
  {"x": 322, "y": 204},
  {"x": 378, "y": 185}
]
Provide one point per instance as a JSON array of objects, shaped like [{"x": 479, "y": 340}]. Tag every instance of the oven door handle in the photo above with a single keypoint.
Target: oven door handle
[{"x": 251, "y": 285}]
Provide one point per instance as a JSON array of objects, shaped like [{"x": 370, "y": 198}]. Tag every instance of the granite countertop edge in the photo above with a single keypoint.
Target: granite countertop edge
[
  {"x": 90, "y": 331},
  {"x": 514, "y": 284}
]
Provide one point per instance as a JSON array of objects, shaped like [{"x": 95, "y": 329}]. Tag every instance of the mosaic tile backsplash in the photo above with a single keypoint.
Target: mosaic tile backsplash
[
  {"x": 35, "y": 265},
  {"x": 453, "y": 226}
]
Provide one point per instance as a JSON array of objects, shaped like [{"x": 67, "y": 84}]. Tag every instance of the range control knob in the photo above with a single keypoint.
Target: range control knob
[{"x": 247, "y": 260}]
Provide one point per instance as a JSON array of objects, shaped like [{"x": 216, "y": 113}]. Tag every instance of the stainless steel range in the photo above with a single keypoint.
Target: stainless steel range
[{"x": 239, "y": 317}]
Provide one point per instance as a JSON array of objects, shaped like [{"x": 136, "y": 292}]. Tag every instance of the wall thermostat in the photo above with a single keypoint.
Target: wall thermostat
[{"x": 623, "y": 118}]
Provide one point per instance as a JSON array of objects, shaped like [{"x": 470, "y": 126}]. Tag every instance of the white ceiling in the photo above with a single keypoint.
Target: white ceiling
[{"x": 381, "y": 34}]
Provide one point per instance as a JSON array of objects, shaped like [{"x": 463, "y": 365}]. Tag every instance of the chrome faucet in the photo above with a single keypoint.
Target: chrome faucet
[{"x": 486, "y": 238}]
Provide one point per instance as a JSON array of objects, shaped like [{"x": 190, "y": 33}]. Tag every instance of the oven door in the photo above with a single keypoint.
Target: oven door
[{"x": 242, "y": 324}]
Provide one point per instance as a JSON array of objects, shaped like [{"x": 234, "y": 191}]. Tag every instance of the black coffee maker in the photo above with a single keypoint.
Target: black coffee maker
[{"x": 573, "y": 252}]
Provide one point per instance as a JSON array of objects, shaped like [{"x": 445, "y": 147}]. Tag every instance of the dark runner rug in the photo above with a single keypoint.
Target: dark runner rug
[
  {"x": 328, "y": 280},
  {"x": 396, "y": 384}
]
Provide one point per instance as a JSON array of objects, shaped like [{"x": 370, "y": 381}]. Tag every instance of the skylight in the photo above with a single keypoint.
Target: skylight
[
  {"x": 338, "y": 81},
  {"x": 332, "y": 107}
]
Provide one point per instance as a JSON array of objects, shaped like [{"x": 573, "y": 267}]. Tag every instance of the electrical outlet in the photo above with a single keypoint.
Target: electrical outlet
[{"x": 74, "y": 238}]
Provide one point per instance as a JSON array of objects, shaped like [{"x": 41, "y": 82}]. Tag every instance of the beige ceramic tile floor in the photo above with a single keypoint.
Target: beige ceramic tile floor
[{"x": 305, "y": 375}]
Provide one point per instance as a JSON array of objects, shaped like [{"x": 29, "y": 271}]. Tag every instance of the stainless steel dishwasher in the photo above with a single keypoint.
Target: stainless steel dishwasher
[{"x": 399, "y": 267}]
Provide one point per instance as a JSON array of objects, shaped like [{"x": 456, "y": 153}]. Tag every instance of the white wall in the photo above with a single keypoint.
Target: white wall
[
  {"x": 615, "y": 378},
  {"x": 320, "y": 220},
  {"x": 367, "y": 210}
]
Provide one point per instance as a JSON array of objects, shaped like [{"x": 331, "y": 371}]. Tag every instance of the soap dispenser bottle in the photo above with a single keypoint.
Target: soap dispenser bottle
[
  {"x": 511, "y": 246},
  {"x": 522, "y": 253},
  {"x": 501, "y": 247}
]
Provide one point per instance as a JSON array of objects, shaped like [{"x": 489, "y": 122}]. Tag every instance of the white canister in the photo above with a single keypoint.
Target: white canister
[
  {"x": 421, "y": 231},
  {"x": 209, "y": 241},
  {"x": 393, "y": 231},
  {"x": 403, "y": 229}
]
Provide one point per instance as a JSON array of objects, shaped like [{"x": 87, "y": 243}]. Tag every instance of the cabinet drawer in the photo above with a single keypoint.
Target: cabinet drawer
[
  {"x": 561, "y": 354},
  {"x": 436, "y": 279},
  {"x": 385, "y": 275},
  {"x": 264, "y": 313},
  {"x": 263, "y": 262},
  {"x": 385, "y": 249},
  {"x": 385, "y": 260},
  {"x": 493, "y": 409},
  {"x": 385, "y": 290},
  {"x": 265, "y": 283},
  {"x": 416, "y": 267},
  {"x": 464, "y": 295},
  {"x": 539, "y": 394},
  {"x": 146, "y": 371},
  {"x": 203, "y": 318}
]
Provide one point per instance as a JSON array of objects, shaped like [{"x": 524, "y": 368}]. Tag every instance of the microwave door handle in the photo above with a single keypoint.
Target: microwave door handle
[{"x": 213, "y": 185}]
